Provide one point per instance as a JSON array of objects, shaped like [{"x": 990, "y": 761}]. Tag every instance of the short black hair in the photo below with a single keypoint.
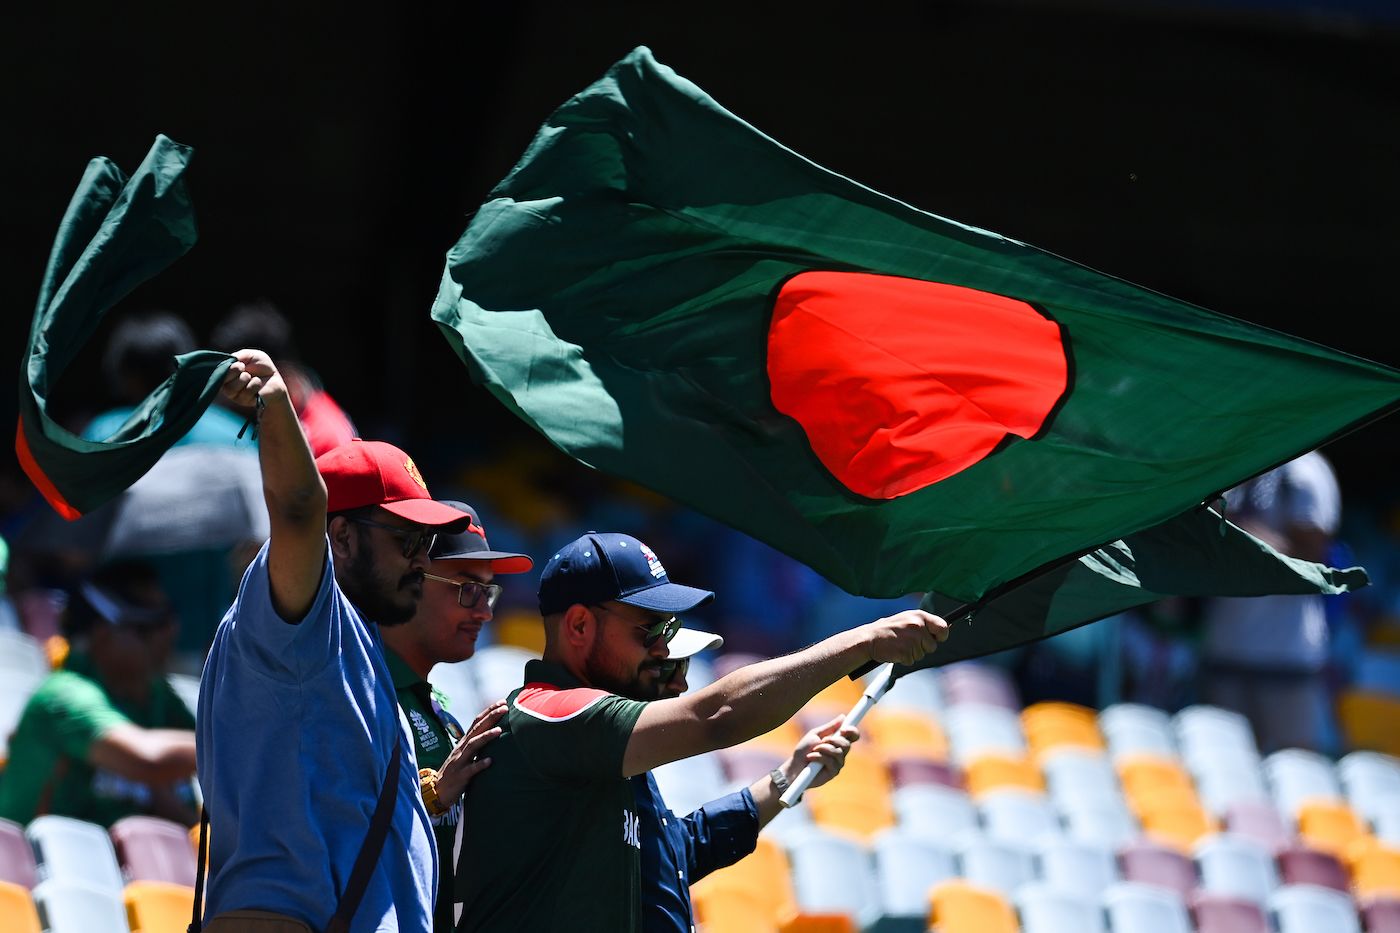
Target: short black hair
[
  {"x": 126, "y": 581},
  {"x": 255, "y": 324},
  {"x": 144, "y": 346}
]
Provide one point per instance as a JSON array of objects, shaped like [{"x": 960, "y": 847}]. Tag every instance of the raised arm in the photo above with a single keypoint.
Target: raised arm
[
  {"x": 760, "y": 697},
  {"x": 292, "y": 487}
]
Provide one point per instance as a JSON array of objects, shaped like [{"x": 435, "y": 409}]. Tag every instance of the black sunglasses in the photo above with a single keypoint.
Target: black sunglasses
[
  {"x": 470, "y": 593},
  {"x": 663, "y": 628},
  {"x": 414, "y": 539}
]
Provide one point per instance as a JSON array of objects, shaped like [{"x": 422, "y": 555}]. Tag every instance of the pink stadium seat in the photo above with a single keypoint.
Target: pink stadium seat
[
  {"x": 153, "y": 849},
  {"x": 16, "y": 855},
  {"x": 1381, "y": 915},
  {"x": 1218, "y": 913},
  {"x": 748, "y": 763},
  {"x": 1299, "y": 864},
  {"x": 922, "y": 771},
  {"x": 970, "y": 682},
  {"x": 1260, "y": 820},
  {"x": 1148, "y": 863}
]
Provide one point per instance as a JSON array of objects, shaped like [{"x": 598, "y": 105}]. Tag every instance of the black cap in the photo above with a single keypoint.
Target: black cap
[{"x": 470, "y": 544}]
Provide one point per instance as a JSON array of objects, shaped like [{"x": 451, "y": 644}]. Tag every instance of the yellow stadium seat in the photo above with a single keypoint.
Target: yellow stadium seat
[
  {"x": 1376, "y": 872},
  {"x": 904, "y": 734},
  {"x": 1368, "y": 720},
  {"x": 781, "y": 740},
  {"x": 762, "y": 877},
  {"x": 992, "y": 771},
  {"x": 1147, "y": 773},
  {"x": 959, "y": 907},
  {"x": 519, "y": 628},
  {"x": 1176, "y": 819},
  {"x": 820, "y": 923},
  {"x": 854, "y": 815},
  {"x": 1053, "y": 725},
  {"x": 725, "y": 909},
  {"x": 17, "y": 911},
  {"x": 1330, "y": 825},
  {"x": 158, "y": 906},
  {"x": 835, "y": 699}
]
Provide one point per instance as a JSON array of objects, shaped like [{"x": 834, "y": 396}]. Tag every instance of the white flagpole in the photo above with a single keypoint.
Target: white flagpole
[{"x": 874, "y": 690}]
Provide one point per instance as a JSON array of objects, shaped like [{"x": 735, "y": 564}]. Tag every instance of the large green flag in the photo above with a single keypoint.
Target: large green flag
[
  {"x": 117, "y": 233},
  {"x": 902, "y": 402}
]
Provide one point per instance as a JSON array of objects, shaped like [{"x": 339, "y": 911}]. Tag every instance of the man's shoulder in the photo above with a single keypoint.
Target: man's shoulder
[
  {"x": 549, "y": 703},
  {"x": 69, "y": 688}
]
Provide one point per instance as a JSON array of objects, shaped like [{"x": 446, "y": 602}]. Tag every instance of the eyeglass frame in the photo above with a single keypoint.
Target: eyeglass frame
[
  {"x": 490, "y": 591},
  {"x": 652, "y": 636},
  {"x": 425, "y": 538}
]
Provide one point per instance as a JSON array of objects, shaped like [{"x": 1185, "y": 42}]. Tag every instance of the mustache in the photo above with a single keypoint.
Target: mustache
[{"x": 410, "y": 579}]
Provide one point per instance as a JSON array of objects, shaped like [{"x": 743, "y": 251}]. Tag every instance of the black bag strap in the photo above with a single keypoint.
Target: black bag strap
[{"x": 365, "y": 861}]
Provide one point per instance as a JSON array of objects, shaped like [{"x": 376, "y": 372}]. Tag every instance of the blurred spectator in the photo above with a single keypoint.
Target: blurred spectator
[
  {"x": 140, "y": 355},
  {"x": 1266, "y": 656},
  {"x": 259, "y": 324},
  {"x": 106, "y": 737}
]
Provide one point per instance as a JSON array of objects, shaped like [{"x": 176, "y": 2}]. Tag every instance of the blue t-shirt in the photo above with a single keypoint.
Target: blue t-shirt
[{"x": 295, "y": 728}]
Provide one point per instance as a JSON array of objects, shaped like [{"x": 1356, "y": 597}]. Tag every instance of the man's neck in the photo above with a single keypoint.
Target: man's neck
[{"x": 415, "y": 657}]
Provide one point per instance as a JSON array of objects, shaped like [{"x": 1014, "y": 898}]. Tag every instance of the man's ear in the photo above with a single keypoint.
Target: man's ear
[
  {"x": 579, "y": 626},
  {"x": 343, "y": 537}
]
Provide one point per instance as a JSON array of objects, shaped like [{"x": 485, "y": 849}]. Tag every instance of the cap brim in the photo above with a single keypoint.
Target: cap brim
[
  {"x": 501, "y": 561},
  {"x": 427, "y": 512},
  {"x": 668, "y": 597},
  {"x": 691, "y": 641}
]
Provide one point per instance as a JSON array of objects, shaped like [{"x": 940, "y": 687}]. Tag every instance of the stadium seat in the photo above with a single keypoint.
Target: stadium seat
[
  {"x": 1134, "y": 729},
  {"x": 66, "y": 850},
  {"x": 905, "y": 734},
  {"x": 917, "y": 692},
  {"x": 1306, "y": 908},
  {"x": 17, "y": 911},
  {"x": 1297, "y": 776},
  {"x": 1148, "y": 863},
  {"x": 1224, "y": 778},
  {"x": 832, "y": 873},
  {"x": 1083, "y": 869},
  {"x": 1201, "y": 727},
  {"x": 1259, "y": 821},
  {"x": 1017, "y": 815},
  {"x": 1049, "y": 726},
  {"x": 906, "y": 868},
  {"x": 760, "y": 882},
  {"x": 721, "y": 908},
  {"x": 16, "y": 856},
  {"x": 1078, "y": 774},
  {"x": 975, "y": 730},
  {"x": 991, "y": 771},
  {"x": 1220, "y": 913},
  {"x": 1142, "y": 774},
  {"x": 1145, "y": 908},
  {"x": 747, "y": 763},
  {"x": 1385, "y": 819},
  {"x": 932, "y": 811},
  {"x": 781, "y": 740},
  {"x": 1047, "y": 908},
  {"x": 152, "y": 849},
  {"x": 1236, "y": 866},
  {"x": 835, "y": 699},
  {"x": 1381, "y": 915},
  {"x": 1331, "y": 826},
  {"x": 458, "y": 683},
  {"x": 689, "y": 783},
  {"x": 22, "y": 657},
  {"x": 1174, "y": 817},
  {"x": 1369, "y": 780},
  {"x": 158, "y": 906},
  {"x": 974, "y": 682},
  {"x": 959, "y": 907},
  {"x": 857, "y": 802},
  {"x": 1107, "y": 822},
  {"x": 922, "y": 771},
  {"x": 1368, "y": 720},
  {"x": 1375, "y": 872},
  {"x": 1300, "y": 865},
  {"x": 72, "y": 906},
  {"x": 993, "y": 864}
]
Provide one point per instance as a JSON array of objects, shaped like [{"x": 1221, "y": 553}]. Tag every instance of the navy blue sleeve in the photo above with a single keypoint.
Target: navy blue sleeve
[{"x": 720, "y": 833}]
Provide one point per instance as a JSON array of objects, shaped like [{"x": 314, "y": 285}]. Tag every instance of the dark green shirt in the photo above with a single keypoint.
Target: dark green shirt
[
  {"x": 48, "y": 770},
  {"x": 552, "y": 838},
  {"x": 435, "y": 731}
]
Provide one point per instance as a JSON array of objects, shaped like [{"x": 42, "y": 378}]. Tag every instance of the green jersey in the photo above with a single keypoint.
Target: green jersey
[
  {"x": 435, "y": 732},
  {"x": 48, "y": 770},
  {"x": 552, "y": 838}
]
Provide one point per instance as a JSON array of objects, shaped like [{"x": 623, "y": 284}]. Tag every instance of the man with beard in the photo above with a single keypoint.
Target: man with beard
[
  {"x": 555, "y": 836},
  {"x": 458, "y": 599},
  {"x": 305, "y": 761},
  {"x": 678, "y": 851}
]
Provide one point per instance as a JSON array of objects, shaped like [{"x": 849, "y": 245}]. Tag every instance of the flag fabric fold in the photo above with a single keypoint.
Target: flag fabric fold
[
  {"x": 117, "y": 233},
  {"x": 902, "y": 402}
]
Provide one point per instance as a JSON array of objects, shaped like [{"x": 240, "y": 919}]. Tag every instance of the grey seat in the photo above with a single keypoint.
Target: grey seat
[
  {"x": 1144, "y": 908},
  {"x": 66, "y": 905},
  {"x": 1237, "y": 866},
  {"x": 1296, "y": 776},
  {"x": 1307, "y": 908},
  {"x": 1369, "y": 779},
  {"x": 933, "y": 811},
  {"x": 906, "y": 868},
  {"x": 1084, "y": 869},
  {"x": 833, "y": 874},
  {"x": 1047, "y": 908},
  {"x": 1015, "y": 815},
  {"x": 67, "y": 850},
  {"x": 1134, "y": 729},
  {"x": 992, "y": 863}
]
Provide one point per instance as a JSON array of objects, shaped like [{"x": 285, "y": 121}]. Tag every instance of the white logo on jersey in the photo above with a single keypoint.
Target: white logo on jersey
[
  {"x": 631, "y": 829},
  {"x": 426, "y": 737}
]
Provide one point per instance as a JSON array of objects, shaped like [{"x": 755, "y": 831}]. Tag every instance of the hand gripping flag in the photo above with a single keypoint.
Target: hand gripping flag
[
  {"x": 902, "y": 402},
  {"x": 117, "y": 233}
]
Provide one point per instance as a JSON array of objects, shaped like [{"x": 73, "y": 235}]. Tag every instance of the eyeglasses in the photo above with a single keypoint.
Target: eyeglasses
[
  {"x": 671, "y": 668},
  {"x": 414, "y": 539},
  {"x": 470, "y": 593},
  {"x": 659, "y": 629}
]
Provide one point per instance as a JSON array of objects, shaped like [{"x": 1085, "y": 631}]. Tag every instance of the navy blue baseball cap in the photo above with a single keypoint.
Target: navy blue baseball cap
[{"x": 598, "y": 567}]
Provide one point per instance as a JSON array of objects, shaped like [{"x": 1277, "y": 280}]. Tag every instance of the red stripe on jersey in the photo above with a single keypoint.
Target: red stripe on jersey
[{"x": 556, "y": 704}]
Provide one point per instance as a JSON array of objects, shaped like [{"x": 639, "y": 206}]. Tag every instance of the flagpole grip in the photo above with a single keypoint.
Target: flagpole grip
[{"x": 874, "y": 690}]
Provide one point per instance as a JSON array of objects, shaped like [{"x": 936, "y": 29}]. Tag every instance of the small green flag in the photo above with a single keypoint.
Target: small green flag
[
  {"x": 117, "y": 233},
  {"x": 902, "y": 402}
]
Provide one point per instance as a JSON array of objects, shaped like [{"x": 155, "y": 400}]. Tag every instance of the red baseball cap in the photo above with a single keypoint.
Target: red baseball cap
[{"x": 361, "y": 473}]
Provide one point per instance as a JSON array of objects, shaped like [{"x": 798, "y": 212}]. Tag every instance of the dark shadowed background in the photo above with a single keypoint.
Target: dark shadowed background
[{"x": 1241, "y": 155}]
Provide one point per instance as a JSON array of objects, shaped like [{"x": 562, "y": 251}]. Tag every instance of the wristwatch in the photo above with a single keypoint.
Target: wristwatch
[
  {"x": 427, "y": 784},
  {"x": 780, "y": 781}
]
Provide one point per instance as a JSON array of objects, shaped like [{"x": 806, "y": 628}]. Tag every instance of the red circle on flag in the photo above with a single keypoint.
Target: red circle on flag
[{"x": 901, "y": 383}]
